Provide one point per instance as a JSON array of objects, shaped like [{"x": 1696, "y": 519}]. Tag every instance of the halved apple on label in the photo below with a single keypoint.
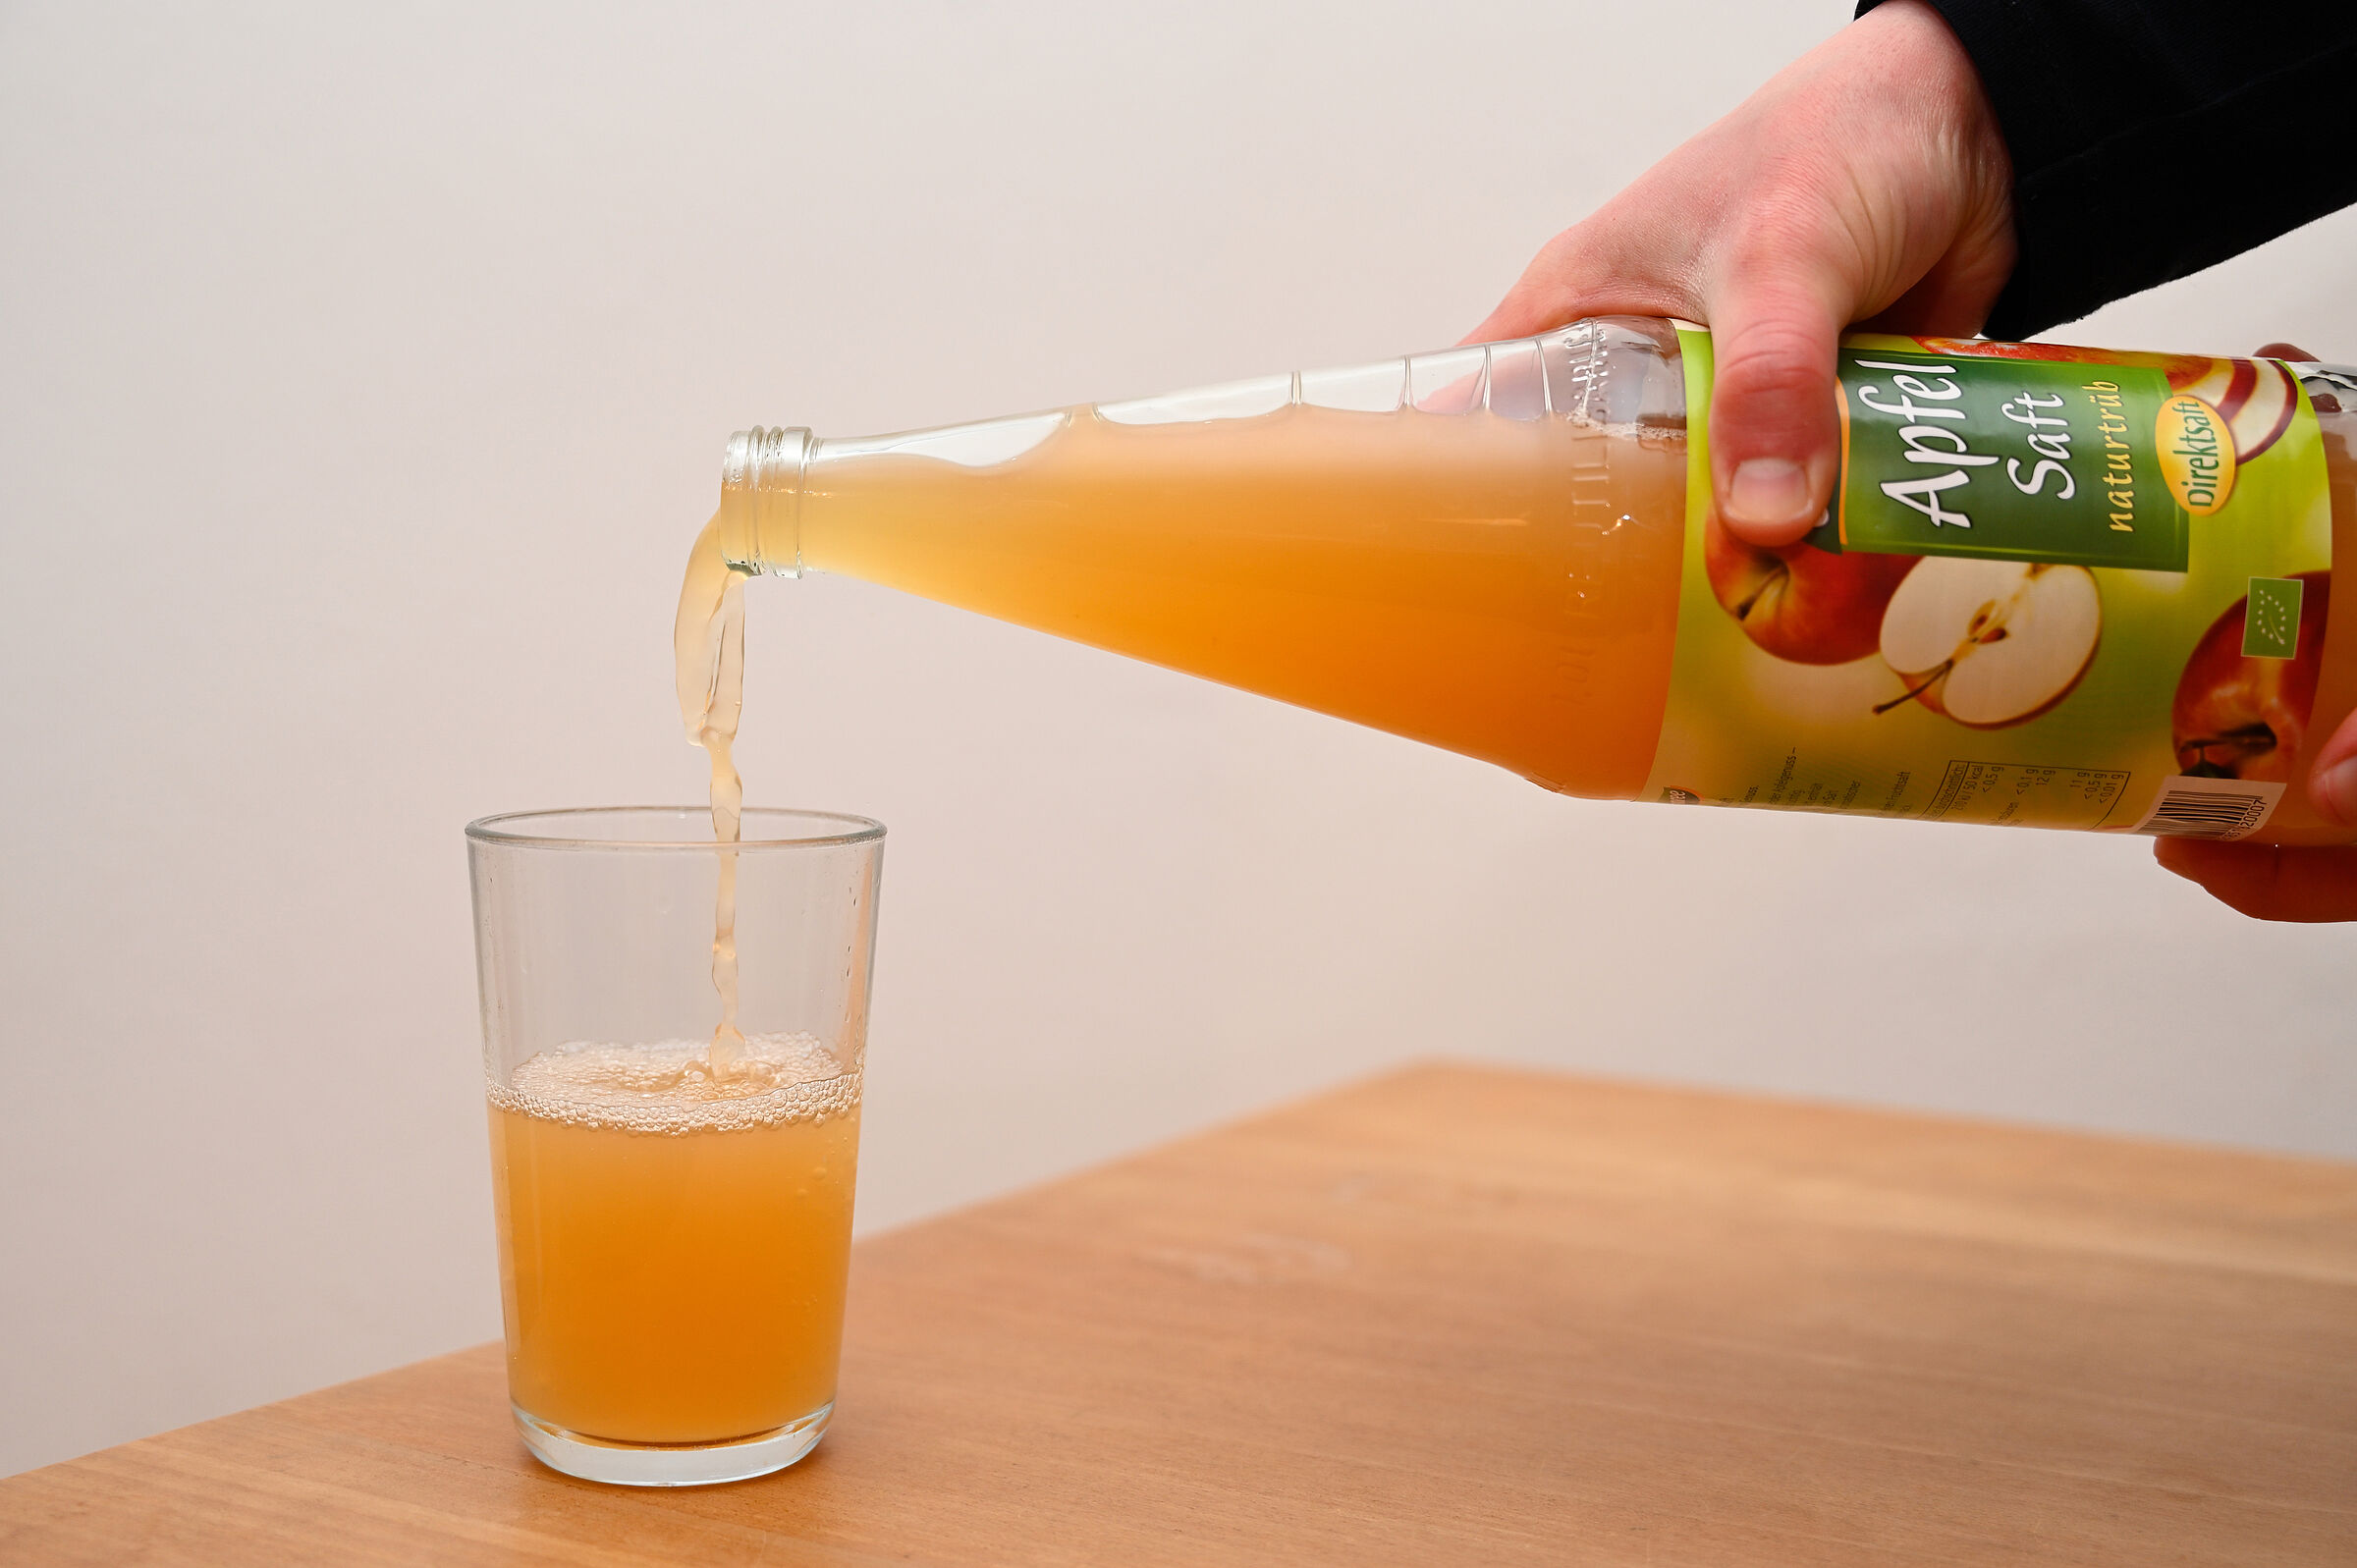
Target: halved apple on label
[
  {"x": 1991, "y": 643},
  {"x": 2256, "y": 398}
]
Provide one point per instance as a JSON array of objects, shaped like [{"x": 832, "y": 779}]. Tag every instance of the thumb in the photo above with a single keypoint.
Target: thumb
[
  {"x": 2332, "y": 784},
  {"x": 1774, "y": 431}
]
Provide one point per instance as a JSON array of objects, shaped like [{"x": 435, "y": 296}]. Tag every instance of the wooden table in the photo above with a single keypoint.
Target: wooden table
[{"x": 1455, "y": 1316}]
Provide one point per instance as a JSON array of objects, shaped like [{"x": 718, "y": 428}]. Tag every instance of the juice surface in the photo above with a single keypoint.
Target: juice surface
[
  {"x": 1506, "y": 588},
  {"x": 672, "y": 1245}
]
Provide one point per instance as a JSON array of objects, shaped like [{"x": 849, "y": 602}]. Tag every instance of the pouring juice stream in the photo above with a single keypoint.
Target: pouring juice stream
[{"x": 708, "y": 659}]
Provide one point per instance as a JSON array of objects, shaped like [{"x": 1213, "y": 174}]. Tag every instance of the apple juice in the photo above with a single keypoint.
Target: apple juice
[
  {"x": 672, "y": 1240},
  {"x": 2058, "y": 587}
]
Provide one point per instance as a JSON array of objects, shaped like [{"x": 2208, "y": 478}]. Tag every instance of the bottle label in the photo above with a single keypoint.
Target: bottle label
[{"x": 2056, "y": 588}]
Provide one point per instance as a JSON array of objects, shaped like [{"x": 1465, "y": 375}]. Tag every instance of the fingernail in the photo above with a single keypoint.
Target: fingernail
[
  {"x": 2336, "y": 789},
  {"x": 1767, "y": 490}
]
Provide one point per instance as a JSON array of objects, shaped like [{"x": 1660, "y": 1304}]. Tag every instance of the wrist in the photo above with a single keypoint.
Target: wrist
[{"x": 1930, "y": 71}]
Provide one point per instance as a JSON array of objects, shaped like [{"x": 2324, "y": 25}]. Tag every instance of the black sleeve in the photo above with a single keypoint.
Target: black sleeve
[{"x": 2151, "y": 138}]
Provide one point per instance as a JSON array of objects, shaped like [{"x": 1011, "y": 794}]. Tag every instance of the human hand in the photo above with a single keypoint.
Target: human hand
[
  {"x": 2271, "y": 881},
  {"x": 1866, "y": 183}
]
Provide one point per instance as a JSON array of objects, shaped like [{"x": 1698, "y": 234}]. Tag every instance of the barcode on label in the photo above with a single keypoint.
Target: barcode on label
[{"x": 2211, "y": 808}]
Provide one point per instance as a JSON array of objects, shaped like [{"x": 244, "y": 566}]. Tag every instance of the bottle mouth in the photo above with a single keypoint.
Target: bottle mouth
[{"x": 761, "y": 500}]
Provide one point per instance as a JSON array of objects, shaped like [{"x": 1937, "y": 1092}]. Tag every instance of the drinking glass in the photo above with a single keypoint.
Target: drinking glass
[{"x": 674, "y": 1215}]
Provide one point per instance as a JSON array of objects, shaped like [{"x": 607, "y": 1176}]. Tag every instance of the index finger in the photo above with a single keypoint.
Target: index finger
[{"x": 2269, "y": 882}]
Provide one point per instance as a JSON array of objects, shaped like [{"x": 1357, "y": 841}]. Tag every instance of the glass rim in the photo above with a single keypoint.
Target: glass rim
[{"x": 843, "y": 828}]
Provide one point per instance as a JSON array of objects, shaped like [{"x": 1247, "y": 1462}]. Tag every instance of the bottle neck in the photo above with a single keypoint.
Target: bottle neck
[{"x": 761, "y": 500}]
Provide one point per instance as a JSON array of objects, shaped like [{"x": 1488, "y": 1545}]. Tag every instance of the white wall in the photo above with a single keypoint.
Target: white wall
[{"x": 363, "y": 372}]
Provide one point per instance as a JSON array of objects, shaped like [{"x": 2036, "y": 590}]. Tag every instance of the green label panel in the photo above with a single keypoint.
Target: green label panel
[
  {"x": 2271, "y": 629},
  {"x": 2010, "y": 460}
]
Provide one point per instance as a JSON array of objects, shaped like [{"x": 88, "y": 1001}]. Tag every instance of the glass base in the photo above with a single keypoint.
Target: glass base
[{"x": 671, "y": 1464}]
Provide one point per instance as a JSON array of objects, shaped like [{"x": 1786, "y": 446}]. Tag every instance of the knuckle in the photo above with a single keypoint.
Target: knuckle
[
  {"x": 1775, "y": 359},
  {"x": 1591, "y": 269}
]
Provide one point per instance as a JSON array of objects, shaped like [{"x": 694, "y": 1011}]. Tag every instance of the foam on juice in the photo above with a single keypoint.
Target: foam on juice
[{"x": 670, "y": 1088}]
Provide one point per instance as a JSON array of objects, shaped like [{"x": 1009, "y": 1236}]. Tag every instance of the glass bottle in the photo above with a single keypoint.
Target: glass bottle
[{"x": 1484, "y": 548}]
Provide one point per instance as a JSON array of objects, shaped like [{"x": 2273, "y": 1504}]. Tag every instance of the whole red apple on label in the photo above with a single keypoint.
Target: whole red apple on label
[
  {"x": 2238, "y": 718},
  {"x": 1797, "y": 602}
]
